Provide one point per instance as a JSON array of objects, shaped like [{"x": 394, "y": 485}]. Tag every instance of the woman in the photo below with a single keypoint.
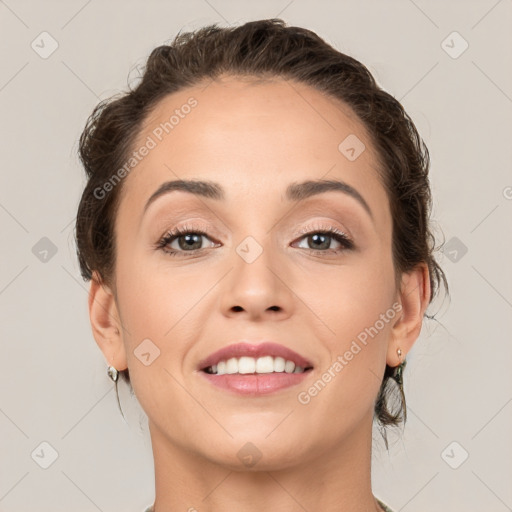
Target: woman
[{"x": 255, "y": 229}]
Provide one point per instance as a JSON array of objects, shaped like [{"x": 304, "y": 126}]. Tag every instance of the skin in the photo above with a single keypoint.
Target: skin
[{"x": 255, "y": 139}]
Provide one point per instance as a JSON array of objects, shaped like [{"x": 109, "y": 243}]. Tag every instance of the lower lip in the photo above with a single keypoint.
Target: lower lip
[{"x": 256, "y": 384}]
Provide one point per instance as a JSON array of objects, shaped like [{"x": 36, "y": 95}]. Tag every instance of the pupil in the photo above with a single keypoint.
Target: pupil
[
  {"x": 191, "y": 239},
  {"x": 325, "y": 237}
]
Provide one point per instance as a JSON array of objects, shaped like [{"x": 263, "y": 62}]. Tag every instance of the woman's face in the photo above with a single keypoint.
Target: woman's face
[{"x": 255, "y": 276}]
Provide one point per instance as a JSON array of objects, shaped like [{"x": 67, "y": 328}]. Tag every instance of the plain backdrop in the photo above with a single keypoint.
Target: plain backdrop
[{"x": 63, "y": 443}]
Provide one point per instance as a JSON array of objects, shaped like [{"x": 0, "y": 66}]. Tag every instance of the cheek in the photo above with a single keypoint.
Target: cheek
[
  {"x": 159, "y": 319},
  {"x": 163, "y": 304},
  {"x": 355, "y": 306},
  {"x": 347, "y": 385},
  {"x": 347, "y": 299}
]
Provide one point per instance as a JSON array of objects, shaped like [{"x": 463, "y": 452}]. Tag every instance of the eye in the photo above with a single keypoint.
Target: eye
[
  {"x": 185, "y": 239},
  {"x": 320, "y": 239},
  {"x": 188, "y": 239}
]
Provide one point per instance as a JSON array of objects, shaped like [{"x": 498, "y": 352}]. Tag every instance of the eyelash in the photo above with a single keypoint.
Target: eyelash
[{"x": 331, "y": 231}]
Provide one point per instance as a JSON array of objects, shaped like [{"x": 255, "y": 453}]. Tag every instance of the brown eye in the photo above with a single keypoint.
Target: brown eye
[
  {"x": 187, "y": 240},
  {"x": 321, "y": 240}
]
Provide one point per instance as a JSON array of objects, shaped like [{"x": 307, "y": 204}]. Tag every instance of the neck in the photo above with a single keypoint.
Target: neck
[{"x": 336, "y": 481}]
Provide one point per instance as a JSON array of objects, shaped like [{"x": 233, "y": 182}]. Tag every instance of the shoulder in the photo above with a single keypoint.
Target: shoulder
[{"x": 383, "y": 505}]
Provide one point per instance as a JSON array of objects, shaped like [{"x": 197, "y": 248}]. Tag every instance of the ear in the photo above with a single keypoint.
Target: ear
[
  {"x": 414, "y": 298},
  {"x": 105, "y": 323}
]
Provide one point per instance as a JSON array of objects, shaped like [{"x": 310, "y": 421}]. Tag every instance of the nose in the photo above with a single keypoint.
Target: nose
[{"x": 259, "y": 288}]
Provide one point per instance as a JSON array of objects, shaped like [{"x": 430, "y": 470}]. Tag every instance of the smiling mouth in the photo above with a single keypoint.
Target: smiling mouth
[{"x": 254, "y": 366}]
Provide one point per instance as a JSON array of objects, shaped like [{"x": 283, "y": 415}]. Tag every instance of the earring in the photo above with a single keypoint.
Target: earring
[
  {"x": 113, "y": 373},
  {"x": 398, "y": 377}
]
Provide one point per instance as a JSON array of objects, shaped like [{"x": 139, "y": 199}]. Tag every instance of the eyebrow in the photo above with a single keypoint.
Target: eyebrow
[{"x": 294, "y": 192}]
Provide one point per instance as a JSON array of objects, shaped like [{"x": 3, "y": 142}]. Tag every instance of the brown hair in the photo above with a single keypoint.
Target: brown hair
[{"x": 258, "y": 50}]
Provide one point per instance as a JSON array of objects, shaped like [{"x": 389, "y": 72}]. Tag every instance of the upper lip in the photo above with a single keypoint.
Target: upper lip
[{"x": 266, "y": 348}]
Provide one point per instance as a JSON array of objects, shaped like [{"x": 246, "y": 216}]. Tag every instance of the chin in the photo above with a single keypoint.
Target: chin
[
  {"x": 260, "y": 461},
  {"x": 257, "y": 453}
]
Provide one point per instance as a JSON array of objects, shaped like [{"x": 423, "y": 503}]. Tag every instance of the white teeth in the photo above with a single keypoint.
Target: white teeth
[
  {"x": 245, "y": 365},
  {"x": 232, "y": 365},
  {"x": 289, "y": 367},
  {"x": 265, "y": 364},
  {"x": 279, "y": 364}
]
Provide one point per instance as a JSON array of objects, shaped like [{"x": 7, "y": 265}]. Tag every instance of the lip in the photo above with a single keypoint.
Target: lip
[
  {"x": 242, "y": 349},
  {"x": 255, "y": 384}
]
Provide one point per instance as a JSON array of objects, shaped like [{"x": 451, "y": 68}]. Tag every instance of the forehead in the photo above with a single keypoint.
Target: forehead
[{"x": 255, "y": 138}]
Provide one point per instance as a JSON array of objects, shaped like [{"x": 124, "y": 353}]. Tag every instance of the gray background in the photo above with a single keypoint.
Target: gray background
[{"x": 53, "y": 383}]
